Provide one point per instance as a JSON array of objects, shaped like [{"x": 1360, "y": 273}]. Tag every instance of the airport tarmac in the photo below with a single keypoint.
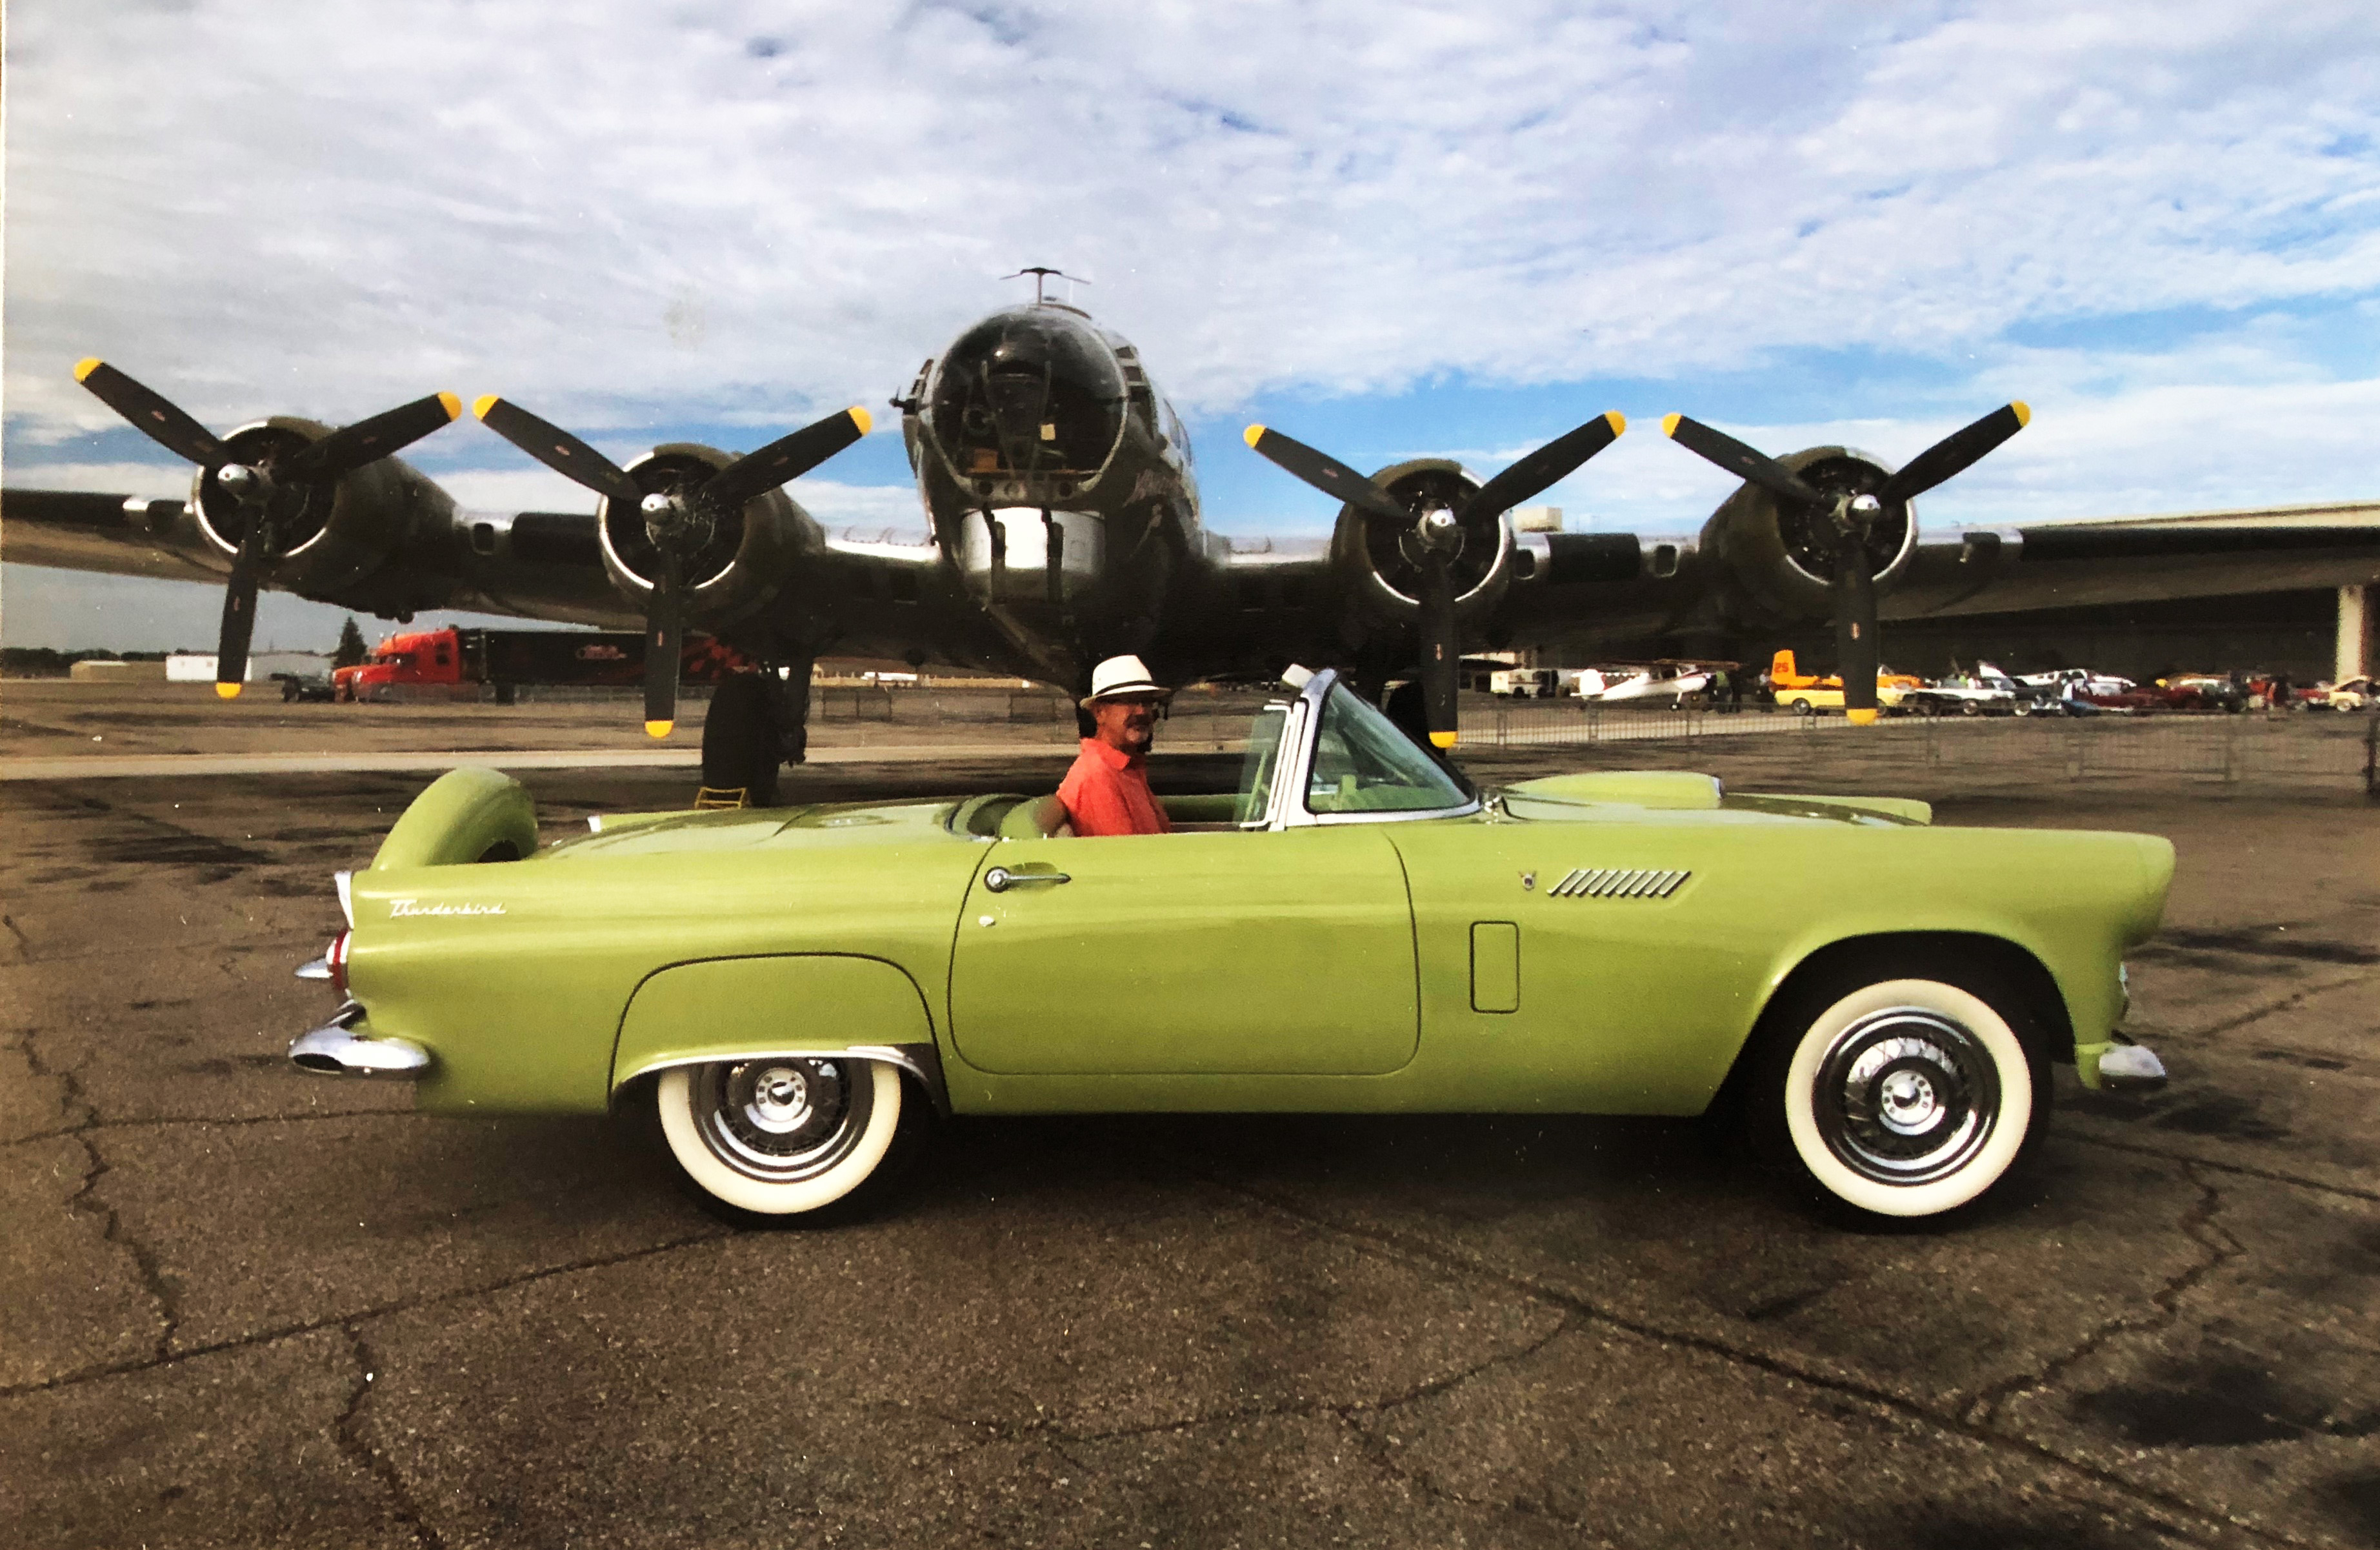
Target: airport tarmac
[{"x": 247, "y": 1306}]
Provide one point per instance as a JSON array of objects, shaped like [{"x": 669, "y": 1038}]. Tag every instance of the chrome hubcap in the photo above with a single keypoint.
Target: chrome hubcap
[
  {"x": 1906, "y": 1096},
  {"x": 1907, "y": 1105},
  {"x": 783, "y": 1120},
  {"x": 781, "y": 1101}
]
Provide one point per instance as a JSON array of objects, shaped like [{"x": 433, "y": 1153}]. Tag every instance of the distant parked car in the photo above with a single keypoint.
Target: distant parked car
[
  {"x": 1965, "y": 694},
  {"x": 296, "y": 686},
  {"x": 2353, "y": 695},
  {"x": 2201, "y": 692}
]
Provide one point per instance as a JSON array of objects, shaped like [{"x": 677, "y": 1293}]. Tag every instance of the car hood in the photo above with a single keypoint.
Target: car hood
[{"x": 1606, "y": 795}]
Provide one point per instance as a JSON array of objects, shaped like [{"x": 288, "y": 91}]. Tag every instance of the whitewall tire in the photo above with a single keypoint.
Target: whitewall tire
[
  {"x": 1904, "y": 1097},
  {"x": 781, "y": 1137}
]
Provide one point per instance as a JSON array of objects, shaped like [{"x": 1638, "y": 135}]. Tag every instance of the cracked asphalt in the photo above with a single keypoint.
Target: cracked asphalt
[{"x": 246, "y": 1306}]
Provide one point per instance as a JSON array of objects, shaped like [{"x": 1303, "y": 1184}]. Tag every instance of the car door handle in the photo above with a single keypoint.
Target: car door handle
[{"x": 998, "y": 880}]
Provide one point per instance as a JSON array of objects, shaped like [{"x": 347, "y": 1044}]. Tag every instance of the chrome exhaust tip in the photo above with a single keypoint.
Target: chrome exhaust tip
[{"x": 339, "y": 1049}]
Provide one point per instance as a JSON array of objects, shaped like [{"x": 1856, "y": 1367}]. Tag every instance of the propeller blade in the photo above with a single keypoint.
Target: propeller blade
[
  {"x": 238, "y": 616},
  {"x": 1441, "y": 654},
  {"x": 785, "y": 458},
  {"x": 1545, "y": 466},
  {"x": 1325, "y": 473},
  {"x": 153, "y": 414},
  {"x": 557, "y": 449},
  {"x": 352, "y": 447},
  {"x": 664, "y": 633},
  {"x": 1955, "y": 453},
  {"x": 1855, "y": 639},
  {"x": 1745, "y": 462}
]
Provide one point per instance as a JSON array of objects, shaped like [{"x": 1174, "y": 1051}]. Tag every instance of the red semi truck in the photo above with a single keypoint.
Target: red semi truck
[{"x": 456, "y": 664}]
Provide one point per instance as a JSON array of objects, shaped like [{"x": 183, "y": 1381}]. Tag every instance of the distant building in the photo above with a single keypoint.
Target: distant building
[
  {"x": 199, "y": 667},
  {"x": 101, "y": 670}
]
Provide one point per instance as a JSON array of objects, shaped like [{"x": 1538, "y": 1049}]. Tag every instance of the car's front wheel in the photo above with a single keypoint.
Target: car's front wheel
[
  {"x": 1901, "y": 1097},
  {"x": 787, "y": 1140}
]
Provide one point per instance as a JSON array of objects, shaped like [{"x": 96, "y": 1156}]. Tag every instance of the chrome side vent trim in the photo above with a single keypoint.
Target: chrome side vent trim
[{"x": 1618, "y": 882}]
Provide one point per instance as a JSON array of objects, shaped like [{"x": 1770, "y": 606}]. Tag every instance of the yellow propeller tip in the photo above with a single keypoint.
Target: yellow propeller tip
[
  {"x": 862, "y": 419},
  {"x": 226, "y": 691},
  {"x": 1670, "y": 424},
  {"x": 1443, "y": 739},
  {"x": 83, "y": 369},
  {"x": 1619, "y": 423},
  {"x": 2024, "y": 413},
  {"x": 453, "y": 406},
  {"x": 1860, "y": 718},
  {"x": 1253, "y": 434},
  {"x": 482, "y": 403},
  {"x": 659, "y": 729}
]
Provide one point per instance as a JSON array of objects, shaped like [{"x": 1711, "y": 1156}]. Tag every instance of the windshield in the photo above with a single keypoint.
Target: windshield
[
  {"x": 1363, "y": 763},
  {"x": 1259, "y": 764}
]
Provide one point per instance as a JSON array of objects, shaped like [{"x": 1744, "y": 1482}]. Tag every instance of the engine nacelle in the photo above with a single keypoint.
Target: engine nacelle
[
  {"x": 326, "y": 537},
  {"x": 1783, "y": 555},
  {"x": 1380, "y": 568},
  {"x": 739, "y": 565}
]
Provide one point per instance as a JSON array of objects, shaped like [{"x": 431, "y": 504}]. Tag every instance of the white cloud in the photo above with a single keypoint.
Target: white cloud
[{"x": 748, "y": 213}]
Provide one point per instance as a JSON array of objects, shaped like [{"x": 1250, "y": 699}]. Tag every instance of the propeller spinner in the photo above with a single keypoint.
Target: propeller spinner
[
  {"x": 269, "y": 493},
  {"x": 1435, "y": 534},
  {"x": 678, "y": 521},
  {"x": 1849, "y": 517}
]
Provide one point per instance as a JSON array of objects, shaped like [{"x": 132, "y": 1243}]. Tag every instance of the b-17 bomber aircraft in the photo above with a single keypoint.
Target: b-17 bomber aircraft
[{"x": 1065, "y": 528}]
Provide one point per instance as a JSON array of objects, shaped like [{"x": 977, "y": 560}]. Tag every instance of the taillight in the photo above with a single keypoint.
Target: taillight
[{"x": 337, "y": 958}]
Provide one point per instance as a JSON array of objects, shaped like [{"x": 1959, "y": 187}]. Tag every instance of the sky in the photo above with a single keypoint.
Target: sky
[{"x": 1388, "y": 229}]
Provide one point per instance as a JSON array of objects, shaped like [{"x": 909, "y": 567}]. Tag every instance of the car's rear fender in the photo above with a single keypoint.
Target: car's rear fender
[
  {"x": 810, "y": 1005},
  {"x": 464, "y": 815}
]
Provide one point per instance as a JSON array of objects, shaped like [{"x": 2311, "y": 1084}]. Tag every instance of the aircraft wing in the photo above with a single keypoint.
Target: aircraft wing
[
  {"x": 537, "y": 564},
  {"x": 119, "y": 535},
  {"x": 2066, "y": 565},
  {"x": 886, "y": 594},
  {"x": 1631, "y": 591}
]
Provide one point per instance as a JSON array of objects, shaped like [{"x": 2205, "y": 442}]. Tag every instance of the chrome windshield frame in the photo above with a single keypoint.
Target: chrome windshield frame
[
  {"x": 1295, "y": 715},
  {"x": 1296, "y": 768}
]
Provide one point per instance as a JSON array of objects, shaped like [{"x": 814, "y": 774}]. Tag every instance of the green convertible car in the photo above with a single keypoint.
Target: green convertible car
[{"x": 794, "y": 994}]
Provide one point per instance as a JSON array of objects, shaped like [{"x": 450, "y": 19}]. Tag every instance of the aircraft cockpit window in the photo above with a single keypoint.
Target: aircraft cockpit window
[{"x": 1028, "y": 392}]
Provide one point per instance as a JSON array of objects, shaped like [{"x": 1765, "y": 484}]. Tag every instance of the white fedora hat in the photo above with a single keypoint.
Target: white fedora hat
[{"x": 1120, "y": 676}]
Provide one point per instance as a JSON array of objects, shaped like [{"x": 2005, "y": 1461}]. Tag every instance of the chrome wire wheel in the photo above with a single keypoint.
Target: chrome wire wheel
[
  {"x": 780, "y": 1136},
  {"x": 783, "y": 1120},
  {"x": 1905, "y": 1097}
]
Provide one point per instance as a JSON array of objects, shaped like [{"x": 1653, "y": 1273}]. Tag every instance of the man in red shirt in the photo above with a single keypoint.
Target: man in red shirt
[{"x": 1107, "y": 791}]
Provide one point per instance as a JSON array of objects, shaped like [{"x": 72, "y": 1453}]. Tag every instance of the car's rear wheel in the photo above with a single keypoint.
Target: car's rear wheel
[
  {"x": 1900, "y": 1097},
  {"x": 1801, "y": 707},
  {"x": 781, "y": 1140}
]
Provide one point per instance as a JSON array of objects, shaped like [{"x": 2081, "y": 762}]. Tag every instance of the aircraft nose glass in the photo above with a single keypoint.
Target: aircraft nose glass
[{"x": 1029, "y": 394}]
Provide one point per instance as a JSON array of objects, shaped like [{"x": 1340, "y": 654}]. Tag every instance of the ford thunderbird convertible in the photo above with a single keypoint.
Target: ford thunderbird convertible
[{"x": 791, "y": 994}]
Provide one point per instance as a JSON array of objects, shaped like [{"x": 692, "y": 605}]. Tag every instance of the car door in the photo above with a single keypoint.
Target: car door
[{"x": 1208, "y": 953}]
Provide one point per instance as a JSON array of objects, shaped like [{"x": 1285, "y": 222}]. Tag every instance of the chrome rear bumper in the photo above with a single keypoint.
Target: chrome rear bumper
[{"x": 345, "y": 1047}]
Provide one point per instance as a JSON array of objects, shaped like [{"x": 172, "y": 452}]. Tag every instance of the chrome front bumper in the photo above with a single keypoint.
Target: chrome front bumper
[
  {"x": 345, "y": 1047},
  {"x": 2130, "y": 1068}
]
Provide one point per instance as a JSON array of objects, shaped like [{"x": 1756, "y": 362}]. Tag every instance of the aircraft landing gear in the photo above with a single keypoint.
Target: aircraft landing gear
[{"x": 757, "y": 721}]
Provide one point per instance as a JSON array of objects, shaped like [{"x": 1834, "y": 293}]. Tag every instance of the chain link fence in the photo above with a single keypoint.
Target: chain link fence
[{"x": 2310, "y": 746}]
